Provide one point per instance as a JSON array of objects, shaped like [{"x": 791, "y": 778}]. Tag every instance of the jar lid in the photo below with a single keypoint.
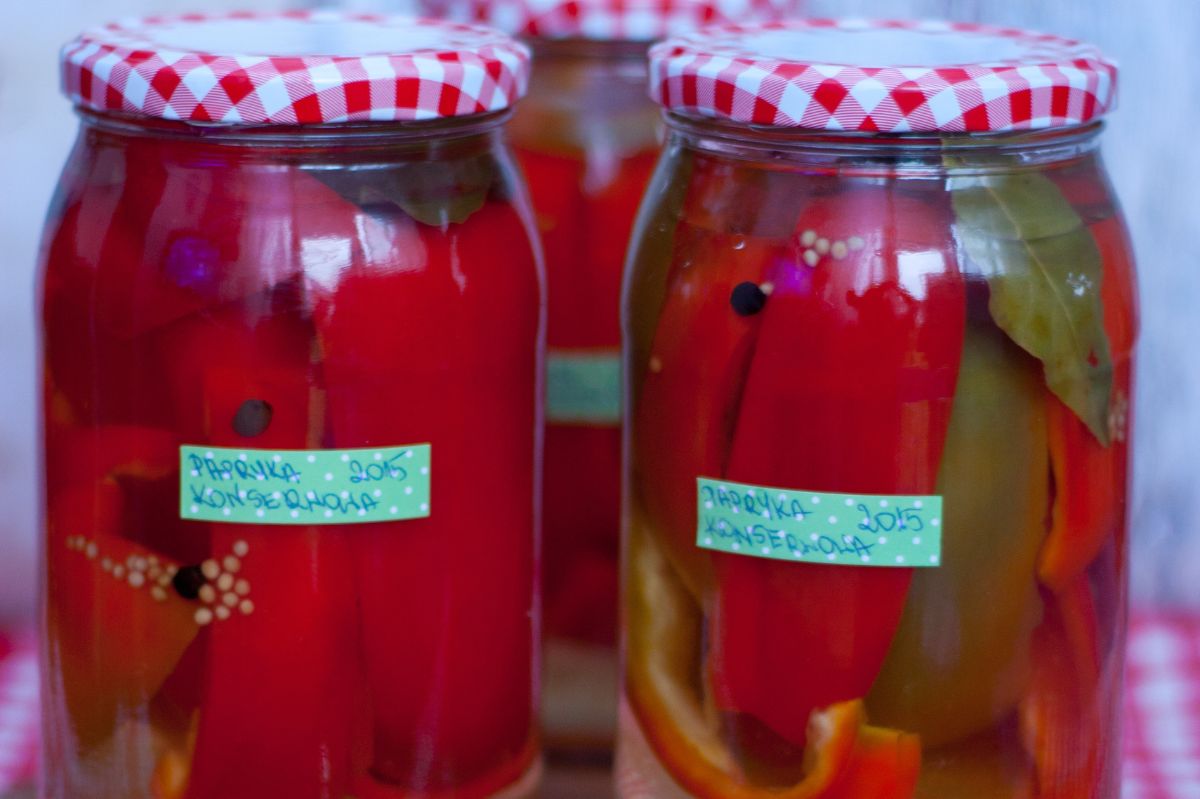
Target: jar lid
[
  {"x": 608, "y": 20},
  {"x": 883, "y": 76},
  {"x": 294, "y": 68}
]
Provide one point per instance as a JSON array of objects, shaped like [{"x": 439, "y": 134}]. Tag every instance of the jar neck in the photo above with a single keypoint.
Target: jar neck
[
  {"x": 588, "y": 75},
  {"x": 865, "y": 154},
  {"x": 358, "y": 137},
  {"x": 587, "y": 99}
]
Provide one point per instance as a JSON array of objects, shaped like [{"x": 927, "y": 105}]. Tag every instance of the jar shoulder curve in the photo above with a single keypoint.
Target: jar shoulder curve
[{"x": 1029, "y": 194}]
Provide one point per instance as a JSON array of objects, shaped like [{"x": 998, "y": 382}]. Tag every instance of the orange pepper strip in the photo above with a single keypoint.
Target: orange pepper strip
[
  {"x": 1084, "y": 515},
  {"x": 174, "y": 766},
  {"x": 1084, "y": 520},
  {"x": 1118, "y": 290},
  {"x": 111, "y": 641},
  {"x": 1061, "y": 715},
  {"x": 847, "y": 758},
  {"x": 885, "y": 764},
  {"x": 852, "y": 760}
]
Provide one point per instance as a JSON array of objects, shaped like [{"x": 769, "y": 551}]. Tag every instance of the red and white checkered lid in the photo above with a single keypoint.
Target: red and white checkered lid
[
  {"x": 889, "y": 76},
  {"x": 615, "y": 20},
  {"x": 298, "y": 68}
]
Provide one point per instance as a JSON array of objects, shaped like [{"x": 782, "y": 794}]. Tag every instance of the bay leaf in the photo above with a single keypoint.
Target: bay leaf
[
  {"x": 434, "y": 193},
  {"x": 1044, "y": 271}
]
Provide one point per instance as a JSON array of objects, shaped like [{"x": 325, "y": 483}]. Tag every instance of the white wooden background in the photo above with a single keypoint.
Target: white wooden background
[{"x": 1151, "y": 153}]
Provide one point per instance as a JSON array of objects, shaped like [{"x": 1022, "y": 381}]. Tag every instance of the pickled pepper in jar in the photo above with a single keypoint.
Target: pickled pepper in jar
[
  {"x": 291, "y": 305},
  {"x": 879, "y": 323}
]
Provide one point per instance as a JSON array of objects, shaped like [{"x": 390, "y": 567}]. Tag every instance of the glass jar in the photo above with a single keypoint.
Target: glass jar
[
  {"x": 291, "y": 374},
  {"x": 880, "y": 369},
  {"x": 587, "y": 138}
]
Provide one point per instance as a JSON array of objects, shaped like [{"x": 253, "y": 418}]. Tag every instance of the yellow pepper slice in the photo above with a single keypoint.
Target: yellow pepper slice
[{"x": 961, "y": 655}]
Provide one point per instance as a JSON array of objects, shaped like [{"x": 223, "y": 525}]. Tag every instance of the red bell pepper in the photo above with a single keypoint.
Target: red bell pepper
[
  {"x": 277, "y": 711},
  {"x": 1084, "y": 517},
  {"x": 689, "y": 396},
  {"x": 1087, "y": 188},
  {"x": 274, "y": 718},
  {"x": 580, "y": 605},
  {"x": 850, "y": 390},
  {"x": 86, "y": 455},
  {"x": 1068, "y": 714},
  {"x": 144, "y": 461},
  {"x": 224, "y": 213},
  {"x": 1118, "y": 291},
  {"x": 582, "y": 463},
  {"x": 574, "y": 318},
  {"x": 585, "y": 228},
  {"x": 216, "y": 361},
  {"x": 1064, "y": 711},
  {"x": 1091, "y": 478},
  {"x": 885, "y": 764},
  {"x": 93, "y": 377},
  {"x": 433, "y": 342},
  {"x": 516, "y": 778},
  {"x": 225, "y": 240}
]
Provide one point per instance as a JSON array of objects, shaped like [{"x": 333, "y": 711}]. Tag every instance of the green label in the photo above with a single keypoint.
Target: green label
[
  {"x": 819, "y": 527},
  {"x": 583, "y": 387},
  {"x": 325, "y": 486}
]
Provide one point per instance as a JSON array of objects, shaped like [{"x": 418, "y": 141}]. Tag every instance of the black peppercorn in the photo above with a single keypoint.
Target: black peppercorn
[
  {"x": 747, "y": 299},
  {"x": 188, "y": 581},
  {"x": 252, "y": 418}
]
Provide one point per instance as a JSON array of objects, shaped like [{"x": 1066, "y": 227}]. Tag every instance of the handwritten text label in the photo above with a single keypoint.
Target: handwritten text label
[
  {"x": 819, "y": 527},
  {"x": 583, "y": 387},
  {"x": 346, "y": 486}
]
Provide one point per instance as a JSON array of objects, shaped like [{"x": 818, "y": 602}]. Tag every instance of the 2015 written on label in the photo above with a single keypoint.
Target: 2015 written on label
[
  {"x": 304, "y": 486},
  {"x": 819, "y": 527}
]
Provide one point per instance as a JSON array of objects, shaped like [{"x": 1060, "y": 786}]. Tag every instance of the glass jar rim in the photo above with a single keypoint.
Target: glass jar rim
[
  {"x": 917, "y": 152},
  {"x": 340, "y": 134}
]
